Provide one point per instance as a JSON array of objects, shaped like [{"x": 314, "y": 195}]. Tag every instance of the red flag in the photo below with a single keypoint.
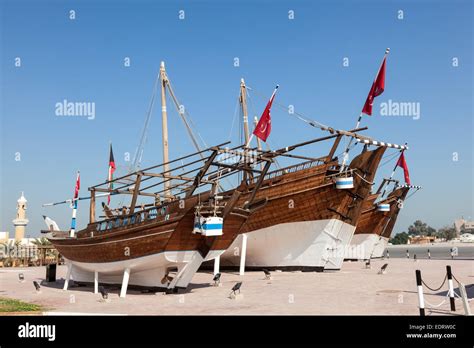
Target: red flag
[
  {"x": 377, "y": 89},
  {"x": 78, "y": 185},
  {"x": 402, "y": 163},
  {"x": 264, "y": 125},
  {"x": 111, "y": 171}
]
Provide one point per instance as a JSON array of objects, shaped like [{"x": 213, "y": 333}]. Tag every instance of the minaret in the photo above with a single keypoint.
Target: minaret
[{"x": 21, "y": 221}]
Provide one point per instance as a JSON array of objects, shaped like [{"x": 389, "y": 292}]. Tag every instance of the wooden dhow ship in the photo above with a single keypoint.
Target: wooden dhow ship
[
  {"x": 312, "y": 209},
  {"x": 377, "y": 221},
  {"x": 163, "y": 243}
]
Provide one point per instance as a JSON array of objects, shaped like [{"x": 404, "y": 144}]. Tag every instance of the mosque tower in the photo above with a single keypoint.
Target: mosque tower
[{"x": 21, "y": 221}]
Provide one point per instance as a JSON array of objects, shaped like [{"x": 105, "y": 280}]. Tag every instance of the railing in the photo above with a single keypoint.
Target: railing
[
  {"x": 291, "y": 169},
  {"x": 131, "y": 219}
]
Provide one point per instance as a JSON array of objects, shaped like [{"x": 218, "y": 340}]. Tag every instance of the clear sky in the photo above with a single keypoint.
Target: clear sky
[{"x": 82, "y": 60}]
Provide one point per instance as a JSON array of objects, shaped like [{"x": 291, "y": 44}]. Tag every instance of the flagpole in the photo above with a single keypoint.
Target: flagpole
[
  {"x": 74, "y": 209},
  {"x": 359, "y": 120}
]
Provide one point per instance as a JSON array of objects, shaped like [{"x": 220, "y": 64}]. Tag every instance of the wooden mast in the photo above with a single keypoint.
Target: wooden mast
[
  {"x": 243, "y": 103},
  {"x": 164, "y": 122},
  {"x": 92, "y": 207}
]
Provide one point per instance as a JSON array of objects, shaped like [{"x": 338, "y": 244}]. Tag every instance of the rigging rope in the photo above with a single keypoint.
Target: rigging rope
[
  {"x": 233, "y": 120},
  {"x": 298, "y": 115},
  {"x": 368, "y": 182}
]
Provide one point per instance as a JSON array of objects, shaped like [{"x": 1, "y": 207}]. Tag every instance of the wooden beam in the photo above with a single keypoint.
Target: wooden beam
[
  {"x": 258, "y": 184},
  {"x": 202, "y": 172},
  {"x": 92, "y": 207},
  {"x": 135, "y": 193},
  {"x": 333, "y": 149},
  {"x": 125, "y": 192}
]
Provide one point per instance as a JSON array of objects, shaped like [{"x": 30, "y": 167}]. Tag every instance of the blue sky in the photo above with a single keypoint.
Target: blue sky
[{"x": 82, "y": 60}]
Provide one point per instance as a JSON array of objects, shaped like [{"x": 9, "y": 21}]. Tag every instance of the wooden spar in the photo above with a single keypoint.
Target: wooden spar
[
  {"x": 164, "y": 122},
  {"x": 125, "y": 192},
  {"x": 160, "y": 175},
  {"x": 258, "y": 184},
  {"x": 333, "y": 149},
  {"x": 291, "y": 148},
  {"x": 202, "y": 172},
  {"x": 163, "y": 164},
  {"x": 243, "y": 105},
  {"x": 92, "y": 208},
  {"x": 386, "y": 181},
  {"x": 302, "y": 157},
  {"x": 243, "y": 167},
  {"x": 135, "y": 193},
  {"x": 231, "y": 203}
]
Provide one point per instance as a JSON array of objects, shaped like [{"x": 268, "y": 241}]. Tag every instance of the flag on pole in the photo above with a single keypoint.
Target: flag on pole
[
  {"x": 377, "y": 88},
  {"x": 264, "y": 125},
  {"x": 403, "y": 164},
  {"x": 74, "y": 205},
  {"x": 78, "y": 185},
  {"x": 111, "y": 172}
]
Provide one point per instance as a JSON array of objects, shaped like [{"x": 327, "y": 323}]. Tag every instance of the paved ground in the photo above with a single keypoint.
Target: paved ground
[{"x": 353, "y": 290}]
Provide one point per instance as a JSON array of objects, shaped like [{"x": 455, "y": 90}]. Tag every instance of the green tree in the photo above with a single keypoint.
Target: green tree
[
  {"x": 400, "y": 238},
  {"x": 447, "y": 232},
  {"x": 420, "y": 228}
]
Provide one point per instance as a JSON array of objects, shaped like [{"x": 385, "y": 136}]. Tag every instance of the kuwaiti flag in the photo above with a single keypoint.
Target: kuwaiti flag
[
  {"x": 264, "y": 125},
  {"x": 111, "y": 171},
  {"x": 402, "y": 163},
  {"x": 377, "y": 88}
]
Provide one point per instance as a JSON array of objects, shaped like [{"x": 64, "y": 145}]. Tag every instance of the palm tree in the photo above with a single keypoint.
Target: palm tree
[{"x": 43, "y": 244}]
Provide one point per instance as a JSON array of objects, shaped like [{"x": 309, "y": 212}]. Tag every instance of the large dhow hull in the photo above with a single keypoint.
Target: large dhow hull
[
  {"x": 159, "y": 251},
  {"x": 307, "y": 222},
  {"x": 375, "y": 227}
]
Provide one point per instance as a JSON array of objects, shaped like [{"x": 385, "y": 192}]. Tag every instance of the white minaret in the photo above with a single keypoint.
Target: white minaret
[{"x": 21, "y": 221}]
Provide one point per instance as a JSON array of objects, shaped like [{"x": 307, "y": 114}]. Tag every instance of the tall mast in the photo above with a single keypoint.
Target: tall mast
[
  {"x": 243, "y": 103},
  {"x": 164, "y": 122}
]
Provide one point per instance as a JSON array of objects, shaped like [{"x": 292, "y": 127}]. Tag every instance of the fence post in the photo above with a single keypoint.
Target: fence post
[
  {"x": 451, "y": 288},
  {"x": 421, "y": 301}
]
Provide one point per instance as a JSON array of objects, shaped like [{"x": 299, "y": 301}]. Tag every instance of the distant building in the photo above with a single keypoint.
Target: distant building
[
  {"x": 421, "y": 239},
  {"x": 467, "y": 238},
  {"x": 20, "y": 221},
  {"x": 463, "y": 226}
]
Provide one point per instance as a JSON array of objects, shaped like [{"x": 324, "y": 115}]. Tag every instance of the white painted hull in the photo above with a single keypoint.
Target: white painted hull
[
  {"x": 380, "y": 247},
  {"x": 365, "y": 246},
  {"x": 296, "y": 244},
  {"x": 147, "y": 271}
]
